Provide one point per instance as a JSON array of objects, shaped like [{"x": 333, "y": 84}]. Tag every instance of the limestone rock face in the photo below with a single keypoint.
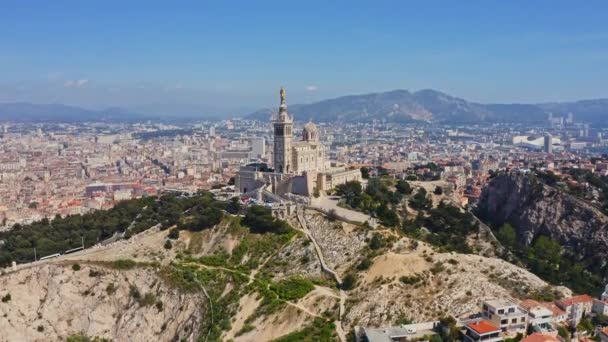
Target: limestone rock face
[
  {"x": 536, "y": 209},
  {"x": 53, "y": 301}
]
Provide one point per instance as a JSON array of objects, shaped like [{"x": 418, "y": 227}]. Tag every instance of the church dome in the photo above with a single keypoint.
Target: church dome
[
  {"x": 310, "y": 127},
  {"x": 310, "y": 132}
]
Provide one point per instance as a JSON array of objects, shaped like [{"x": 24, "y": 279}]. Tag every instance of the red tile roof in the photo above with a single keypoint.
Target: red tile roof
[
  {"x": 554, "y": 308},
  {"x": 536, "y": 337},
  {"x": 574, "y": 300},
  {"x": 483, "y": 327},
  {"x": 605, "y": 331},
  {"x": 529, "y": 304}
]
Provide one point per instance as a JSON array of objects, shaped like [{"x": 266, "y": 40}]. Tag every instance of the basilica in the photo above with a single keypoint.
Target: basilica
[{"x": 300, "y": 167}]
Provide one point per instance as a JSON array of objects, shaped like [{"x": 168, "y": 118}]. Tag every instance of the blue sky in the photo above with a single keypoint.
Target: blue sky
[{"x": 236, "y": 54}]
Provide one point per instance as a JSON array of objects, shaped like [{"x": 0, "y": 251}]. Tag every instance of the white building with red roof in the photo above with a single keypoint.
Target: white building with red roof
[
  {"x": 482, "y": 330},
  {"x": 536, "y": 337},
  {"x": 576, "y": 307},
  {"x": 604, "y": 335}
]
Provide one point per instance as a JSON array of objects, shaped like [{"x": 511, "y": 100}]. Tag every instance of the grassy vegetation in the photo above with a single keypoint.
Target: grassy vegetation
[
  {"x": 293, "y": 288},
  {"x": 124, "y": 264},
  {"x": 84, "y": 338},
  {"x": 321, "y": 329},
  {"x": 214, "y": 272}
]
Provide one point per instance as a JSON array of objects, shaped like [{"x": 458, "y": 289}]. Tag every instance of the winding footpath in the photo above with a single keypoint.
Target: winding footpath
[{"x": 326, "y": 269}]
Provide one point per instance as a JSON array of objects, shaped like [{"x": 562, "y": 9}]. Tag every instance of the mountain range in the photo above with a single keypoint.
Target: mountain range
[
  {"x": 393, "y": 106},
  {"x": 434, "y": 106}
]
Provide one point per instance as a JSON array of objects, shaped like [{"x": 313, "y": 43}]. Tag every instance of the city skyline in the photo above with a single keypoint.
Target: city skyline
[{"x": 230, "y": 57}]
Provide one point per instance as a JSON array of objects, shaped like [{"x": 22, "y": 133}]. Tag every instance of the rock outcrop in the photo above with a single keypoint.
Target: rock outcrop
[
  {"x": 535, "y": 209},
  {"x": 54, "y": 301}
]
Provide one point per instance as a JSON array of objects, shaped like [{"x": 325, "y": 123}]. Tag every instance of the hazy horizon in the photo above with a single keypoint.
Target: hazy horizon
[{"x": 235, "y": 56}]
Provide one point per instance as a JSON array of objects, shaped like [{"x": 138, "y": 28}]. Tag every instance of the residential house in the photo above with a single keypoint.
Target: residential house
[
  {"x": 508, "y": 316},
  {"x": 539, "y": 317},
  {"x": 536, "y": 337},
  {"x": 604, "y": 335},
  {"x": 559, "y": 315},
  {"x": 482, "y": 330},
  {"x": 600, "y": 307},
  {"x": 576, "y": 307}
]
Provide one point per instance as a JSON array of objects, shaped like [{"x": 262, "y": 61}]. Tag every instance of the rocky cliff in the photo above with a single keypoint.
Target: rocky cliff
[
  {"x": 535, "y": 209},
  {"x": 54, "y": 301}
]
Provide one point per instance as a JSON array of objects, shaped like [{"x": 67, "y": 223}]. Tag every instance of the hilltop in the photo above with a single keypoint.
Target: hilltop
[
  {"x": 319, "y": 278},
  {"x": 426, "y": 105}
]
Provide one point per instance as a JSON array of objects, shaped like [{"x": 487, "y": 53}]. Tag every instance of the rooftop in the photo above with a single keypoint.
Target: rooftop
[
  {"x": 574, "y": 300},
  {"x": 536, "y": 337},
  {"x": 483, "y": 327}
]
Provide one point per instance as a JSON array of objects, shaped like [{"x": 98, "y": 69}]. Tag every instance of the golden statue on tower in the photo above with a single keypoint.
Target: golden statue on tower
[{"x": 282, "y": 95}]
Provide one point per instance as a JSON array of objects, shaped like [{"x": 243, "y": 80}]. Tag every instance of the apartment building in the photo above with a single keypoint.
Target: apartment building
[{"x": 506, "y": 315}]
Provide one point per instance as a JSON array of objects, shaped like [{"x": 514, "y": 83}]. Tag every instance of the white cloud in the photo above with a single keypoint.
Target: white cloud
[
  {"x": 75, "y": 83},
  {"x": 312, "y": 88}
]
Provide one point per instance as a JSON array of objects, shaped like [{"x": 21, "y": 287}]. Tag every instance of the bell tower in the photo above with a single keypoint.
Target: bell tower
[{"x": 283, "y": 136}]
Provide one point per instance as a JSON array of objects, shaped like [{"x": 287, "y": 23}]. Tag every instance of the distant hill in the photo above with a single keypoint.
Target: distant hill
[
  {"x": 432, "y": 105},
  {"x": 29, "y": 112}
]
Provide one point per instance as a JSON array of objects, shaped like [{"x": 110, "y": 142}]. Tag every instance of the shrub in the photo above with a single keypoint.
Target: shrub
[
  {"x": 110, "y": 289},
  {"x": 438, "y": 267},
  {"x": 94, "y": 273},
  {"x": 159, "y": 305},
  {"x": 40, "y": 328},
  {"x": 410, "y": 280},
  {"x": 364, "y": 264},
  {"x": 83, "y": 338},
  {"x": 245, "y": 329},
  {"x": 75, "y": 267},
  {"x": 6, "y": 298},
  {"x": 148, "y": 299},
  {"x": 134, "y": 292},
  {"x": 293, "y": 288},
  {"x": 124, "y": 264},
  {"x": 173, "y": 234},
  {"x": 168, "y": 244},
  {"x": 349, "y": 282},
  {"x": 377, "y": 241}
]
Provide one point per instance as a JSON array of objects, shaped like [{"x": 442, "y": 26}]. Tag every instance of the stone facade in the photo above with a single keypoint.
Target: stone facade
[{"x": 300, "y": 167}]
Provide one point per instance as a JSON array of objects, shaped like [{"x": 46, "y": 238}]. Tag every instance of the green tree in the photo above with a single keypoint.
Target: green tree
[
  {"x": 420, "y": 201},
  {"x": 351, "y": 192},
  {"x": 364, "y": 172},
  {"x": 234, "y": 206},
  {"x": 260, "y": 220},
  {"x": 403, "y": 187},
  {"x": 547, "y": 249},
  {"x": 507, "y": 236}
]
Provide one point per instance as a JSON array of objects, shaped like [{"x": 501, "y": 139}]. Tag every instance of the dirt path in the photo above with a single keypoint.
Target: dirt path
[
  {"x": 334, "y": 274},
  {"x": 251, "y": 279}
]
